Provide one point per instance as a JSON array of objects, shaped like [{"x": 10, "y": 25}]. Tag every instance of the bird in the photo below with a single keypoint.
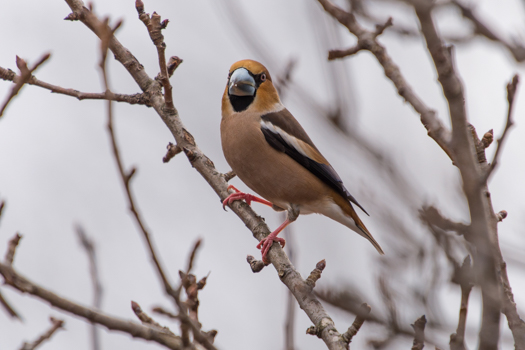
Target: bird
[{"x": 272, "y": 154}]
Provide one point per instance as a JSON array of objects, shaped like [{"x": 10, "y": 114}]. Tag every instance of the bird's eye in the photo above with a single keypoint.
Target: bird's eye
[{"x": 263, "y": 77}]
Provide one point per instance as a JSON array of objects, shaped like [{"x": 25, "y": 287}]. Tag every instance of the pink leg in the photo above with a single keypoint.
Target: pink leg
[
  {"x": 241, "y": 195},
  {"x": 266, "y": 243}
]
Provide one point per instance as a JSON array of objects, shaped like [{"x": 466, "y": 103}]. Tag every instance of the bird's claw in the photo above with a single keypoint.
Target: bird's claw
[
  {"x": 266, "y": 243},
  {"x": 238, "y": 195}
]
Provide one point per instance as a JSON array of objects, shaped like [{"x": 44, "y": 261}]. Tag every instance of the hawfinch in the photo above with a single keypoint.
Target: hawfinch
[{"x": 272, "y": 154}]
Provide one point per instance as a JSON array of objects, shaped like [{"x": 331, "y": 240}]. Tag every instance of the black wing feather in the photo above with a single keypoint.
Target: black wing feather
[{"x": 322, "y": 171}]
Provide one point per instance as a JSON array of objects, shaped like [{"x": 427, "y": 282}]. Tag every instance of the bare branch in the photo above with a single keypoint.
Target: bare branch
[
  {"x": 229, "y": 175},
  {"x": 11, "y": 249},
  {"x": 126, "y": 177},
  {"x": 173, "y": 63},
  {"x": 192, "y": 255},
  {"x": 510, "y": 310},
  {"x": 432, "y": 216},
  {"x": 56, "y": 325},
  {"x": 481, "y": 145},
  {"x": 173, "y": 150},
  {"x": 517, "y": 50},
  {"x": 147, "y": 320},
  {"x": 501, "y": 215},
  {"x": 487, "y": 139},
  {"x": 13, "y": 279},
  {"x": 141, "y": 99},
  {"x": 463, "y": 276},
  {"x": 2, "y": 206},
  {"x": 358, "y": 322},
  {"x": 25, "y": 75},
  {"x": 161, "y": 311},
  {"x": 89, "y": 247},
  {"x": 316, "y": 273},
  {"x": 368, "y": 41},
  {"x": 335, "y": 54},
  {"x": 291, "y": 304},
  {"x": 511, "y": 92},
  {"x": 256, "y": 265},
  {"x": 155, "y": 27},
  {"x": 419, "y": 330},
  {"x": 8, "y": 308}
]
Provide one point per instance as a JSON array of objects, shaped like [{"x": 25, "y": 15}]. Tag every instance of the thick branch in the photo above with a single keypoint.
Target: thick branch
[{"x": 483, "y": 220}]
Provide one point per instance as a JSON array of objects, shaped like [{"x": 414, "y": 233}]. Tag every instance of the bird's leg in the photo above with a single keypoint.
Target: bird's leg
[
  {"x": 241, "y": 195},
  {"x": 266, "y": 243}
]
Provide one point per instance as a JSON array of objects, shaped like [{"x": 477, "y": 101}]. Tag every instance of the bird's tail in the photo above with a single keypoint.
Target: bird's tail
[{"x": 342, "y": 211}]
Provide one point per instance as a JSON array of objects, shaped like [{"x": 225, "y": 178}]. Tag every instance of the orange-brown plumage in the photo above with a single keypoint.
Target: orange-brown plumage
[{"x": 271, "y": 153}]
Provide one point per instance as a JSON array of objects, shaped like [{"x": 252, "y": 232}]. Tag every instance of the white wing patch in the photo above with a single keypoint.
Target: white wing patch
[{"x": 290, "y": 140}]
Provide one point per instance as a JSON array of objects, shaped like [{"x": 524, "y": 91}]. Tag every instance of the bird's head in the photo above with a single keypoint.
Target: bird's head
[{"x": 250, "y": 87}]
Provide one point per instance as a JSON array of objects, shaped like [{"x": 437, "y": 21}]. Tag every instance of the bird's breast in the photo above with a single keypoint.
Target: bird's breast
[{"x": 270, "y": 173}]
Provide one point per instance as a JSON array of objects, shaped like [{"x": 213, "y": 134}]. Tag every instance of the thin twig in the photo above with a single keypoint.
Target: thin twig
[
  {"x": 155, "y": 27},
  {"x": 147, "y": 320},
  {"x": 126, "y": 179},
  {"x": 516, "y": 49},
  {"x": 161, "y": 311},
  {"x": 89, "y": 248},
  {"x": 316, "y": 273},
  {"x": 173, "y": 150},
  {"x": 192, "y": 255},
  {"x": 419, "y": 333},
  {"x": 511, "y": 92},
  {"x": 56, "y": 325},
  {"x": 25, "y": 75},
  {"x": 463, "y": 277},
  {"x": 358, "y": 322},
  {"x": 8, "y": 308},
  {"x": 2, "y": 206},
  {"x": 11, "y": 248},
  {"x": 141, "y": 99},
  {"x": 229, "y": 175}
]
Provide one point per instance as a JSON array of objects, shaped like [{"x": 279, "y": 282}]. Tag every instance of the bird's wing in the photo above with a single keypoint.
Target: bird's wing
[{"x": 284, "y": 133}]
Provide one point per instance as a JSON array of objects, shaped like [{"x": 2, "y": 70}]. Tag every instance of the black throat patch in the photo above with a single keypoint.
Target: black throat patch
[{"x": 240, "y": 103}]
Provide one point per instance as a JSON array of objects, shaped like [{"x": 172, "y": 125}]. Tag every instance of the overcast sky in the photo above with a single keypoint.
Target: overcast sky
[{"x": 57, "y": 169}]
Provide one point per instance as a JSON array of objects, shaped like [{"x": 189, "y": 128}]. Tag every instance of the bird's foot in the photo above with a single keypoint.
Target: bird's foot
[
  {"x": 238, "y": 195},
  {"x": 266, "y": 243}
]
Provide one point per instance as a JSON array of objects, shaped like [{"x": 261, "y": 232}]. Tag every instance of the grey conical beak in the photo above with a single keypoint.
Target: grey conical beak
[{"x": 241, "y": 83}]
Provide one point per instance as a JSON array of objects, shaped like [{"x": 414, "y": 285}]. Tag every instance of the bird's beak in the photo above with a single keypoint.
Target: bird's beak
[{"x": 241, "y": 83}]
